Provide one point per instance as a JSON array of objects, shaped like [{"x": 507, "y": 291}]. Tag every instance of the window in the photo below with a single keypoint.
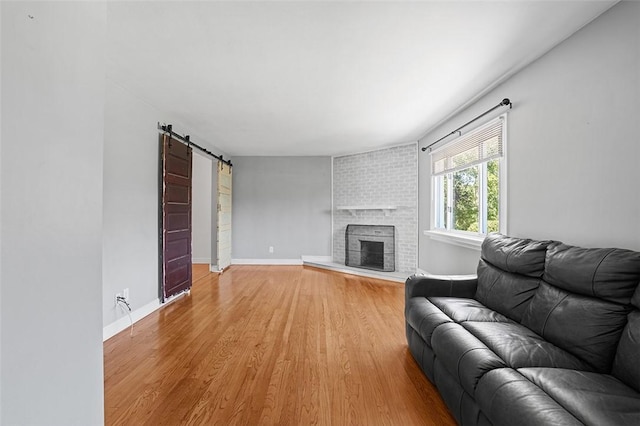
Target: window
[{"x": 468, "y": 182}]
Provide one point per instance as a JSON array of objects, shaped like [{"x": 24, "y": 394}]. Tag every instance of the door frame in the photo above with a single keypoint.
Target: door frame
[{"x": 223, "y": 230}]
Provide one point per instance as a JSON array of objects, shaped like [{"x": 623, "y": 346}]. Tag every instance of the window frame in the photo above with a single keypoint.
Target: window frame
[{"x": 466, "y": 238}]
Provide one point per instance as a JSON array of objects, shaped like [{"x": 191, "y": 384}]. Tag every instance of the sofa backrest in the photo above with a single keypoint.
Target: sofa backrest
[
  {"x": 576, "y": 298},
  {"x": 509, "y": 273},
  {"x": 583, "y": 302},
  {"x": 607, "y": 274}
]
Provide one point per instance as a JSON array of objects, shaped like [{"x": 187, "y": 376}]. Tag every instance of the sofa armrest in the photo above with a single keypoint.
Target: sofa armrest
[{"x": 427, "y": 285}]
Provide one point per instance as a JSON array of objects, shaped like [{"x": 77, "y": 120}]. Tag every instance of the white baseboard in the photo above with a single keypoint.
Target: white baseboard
[
  {"x": 266, "y": 261},
  {"x": 317, "y": 258},
  {"x": 122, "y": 323},
  {"x": 201, "y": 260}
]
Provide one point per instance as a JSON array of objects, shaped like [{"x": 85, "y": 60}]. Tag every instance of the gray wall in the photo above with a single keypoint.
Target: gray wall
[
  {"x": 202, "y": 208},
  {"x": 0, "y": 215},
  {"x": 51, "y": 196},
  {"x": 284, "y": 202},
  {"x": 573, "y": 150},
  {"x": 130, "y": 238}
]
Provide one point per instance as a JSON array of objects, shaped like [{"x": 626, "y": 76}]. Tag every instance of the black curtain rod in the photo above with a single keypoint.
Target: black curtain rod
[
  {"x": 168, "y": 128},
  {"x": 505, "y": 102}
]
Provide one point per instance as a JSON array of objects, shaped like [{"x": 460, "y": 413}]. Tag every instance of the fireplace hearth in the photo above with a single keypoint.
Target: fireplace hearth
[{"x": 370, "y": 247}]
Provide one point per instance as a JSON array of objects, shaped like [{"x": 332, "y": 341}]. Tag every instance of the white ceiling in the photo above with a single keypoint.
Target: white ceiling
[{"x": 325, "y": 78}]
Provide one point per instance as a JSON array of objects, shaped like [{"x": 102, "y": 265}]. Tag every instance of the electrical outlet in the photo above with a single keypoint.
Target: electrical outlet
[
  {"x": 270, "y": 249},
  {"x": 116, "y": 298},
  {"x": 125, "y": 294}
]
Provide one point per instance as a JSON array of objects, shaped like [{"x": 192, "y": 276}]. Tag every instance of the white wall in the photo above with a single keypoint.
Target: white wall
[
  {"x": 283, "y": 202},
  {"x": 51, "y": 196},
  {"x": 202, "y": 208},
  {"x": 573, "y": 150}
]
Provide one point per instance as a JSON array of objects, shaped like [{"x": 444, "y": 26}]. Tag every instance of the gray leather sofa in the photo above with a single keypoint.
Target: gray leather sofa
[{"x": 545, "y": 334}]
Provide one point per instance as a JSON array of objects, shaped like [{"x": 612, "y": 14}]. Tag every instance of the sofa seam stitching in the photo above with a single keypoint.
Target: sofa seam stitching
[
  {"x": 493, "y": 283},
  {"x": 548, "y": 395},
  {"x": 460, "y": 403},
  {"x": 595, "y": 271},
  {"x": 434, "y": 329},
  {"x": 458, "y": 363},
  {"x": 546, "y": 319},
  {"x": 470, "y": 350},
  {"x": 505, "y": 384},
  {"x": 506, "y": 261}
]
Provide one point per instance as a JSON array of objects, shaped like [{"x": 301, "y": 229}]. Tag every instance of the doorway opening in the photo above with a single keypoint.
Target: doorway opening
[{"x": 203, "y": 214}]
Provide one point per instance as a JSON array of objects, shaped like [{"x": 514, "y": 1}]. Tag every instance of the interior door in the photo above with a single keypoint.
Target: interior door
[
  {"x": 224, "y": 215},
  {"x": 176, "y": 217}
]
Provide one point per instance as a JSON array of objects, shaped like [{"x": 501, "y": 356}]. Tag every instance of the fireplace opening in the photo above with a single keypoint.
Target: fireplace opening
[
  {"x": 370, "y": 247},
  {"x": 372, "y": 254}
]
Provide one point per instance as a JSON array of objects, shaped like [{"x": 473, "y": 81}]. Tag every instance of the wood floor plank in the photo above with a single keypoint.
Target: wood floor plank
[
  {"x": 199, "y": 270},
  {"x": 267, "y": 345}
]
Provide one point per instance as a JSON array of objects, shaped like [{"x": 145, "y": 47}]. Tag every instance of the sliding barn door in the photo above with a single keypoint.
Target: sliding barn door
[
  {"x": 224, "y": 215},
  {"x": 176, "y": 217}
]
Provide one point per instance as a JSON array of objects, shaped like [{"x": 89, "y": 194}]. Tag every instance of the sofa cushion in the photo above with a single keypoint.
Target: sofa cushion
[
  {"x": 609, "y": 274},
  {"x": 593, "y": 398},
  {"x": 626, "y": 364},
  {"x": 464, "y": 356},
  {"x": 517, "y": 255},
  {"x": 461, "y": 309},
  {"x": 462, "y": 405},
  {"x": 508, "y": 398},
  {"x": 424, "y": 317},
  {"x": 587, "y": 327},
  {"x": 421, "y": 352},
  {"x": 519, "y": 347},
  {"x": 507, "y": 293}
]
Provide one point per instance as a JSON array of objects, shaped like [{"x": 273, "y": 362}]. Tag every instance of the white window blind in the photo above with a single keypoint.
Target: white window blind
[{"x": 478, "y": 146}]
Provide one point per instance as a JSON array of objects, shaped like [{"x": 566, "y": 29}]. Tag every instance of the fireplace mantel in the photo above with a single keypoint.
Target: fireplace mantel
[{"x": 353, "y": 209}]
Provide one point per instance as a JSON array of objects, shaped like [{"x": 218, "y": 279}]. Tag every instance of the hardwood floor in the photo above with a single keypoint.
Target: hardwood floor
[
  {"x": 199, "y": 270},
  {"x": 286, "y": 345}
]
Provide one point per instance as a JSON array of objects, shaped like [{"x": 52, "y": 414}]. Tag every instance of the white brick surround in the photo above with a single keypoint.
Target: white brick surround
[{"x": 387, "y": 177}]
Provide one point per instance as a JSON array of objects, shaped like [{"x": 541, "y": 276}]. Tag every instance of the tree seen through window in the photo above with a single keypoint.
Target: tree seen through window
[{"x": 469, "y": 209}]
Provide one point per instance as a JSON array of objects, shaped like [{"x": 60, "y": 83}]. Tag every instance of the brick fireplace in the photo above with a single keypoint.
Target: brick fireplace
[
  {"x": 370, "y": 247},
  {"x": 378, "y": 188}
]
